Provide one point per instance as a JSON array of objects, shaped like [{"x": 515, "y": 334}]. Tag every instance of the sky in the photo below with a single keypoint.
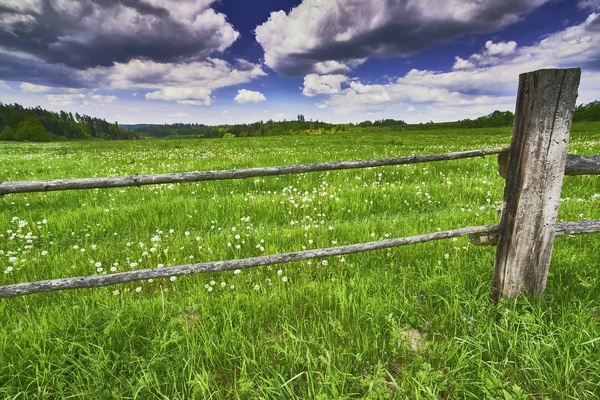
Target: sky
[{"x": 239, "y": 61}]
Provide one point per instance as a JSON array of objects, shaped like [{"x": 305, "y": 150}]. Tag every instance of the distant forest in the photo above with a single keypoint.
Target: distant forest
[
  {"x": 269, "y": 128},
  {"x": 35, "y": 124},
  {"x": 39, "y": 125}
]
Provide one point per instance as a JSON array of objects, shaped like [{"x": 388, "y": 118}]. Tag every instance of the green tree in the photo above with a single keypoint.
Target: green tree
[
  {"x": 8, "y": 133},
  {"x": 30, "y": 128}
]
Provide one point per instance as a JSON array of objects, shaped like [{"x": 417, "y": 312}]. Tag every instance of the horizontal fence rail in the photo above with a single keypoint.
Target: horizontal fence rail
[
  {"x": 576, "y": 165},
  {"x": 21, "y": 289},
  {"x": 154, "y": 179}
]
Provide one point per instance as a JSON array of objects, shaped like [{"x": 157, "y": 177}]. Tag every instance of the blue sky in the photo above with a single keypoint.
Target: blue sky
[{"x": 214, "y": 62}]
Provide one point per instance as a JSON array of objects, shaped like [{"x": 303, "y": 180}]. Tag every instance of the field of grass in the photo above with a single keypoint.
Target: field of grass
[{"x": 411, "y": 322}]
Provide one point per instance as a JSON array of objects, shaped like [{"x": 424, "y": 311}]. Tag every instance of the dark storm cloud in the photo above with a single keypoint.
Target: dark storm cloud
[
  {"x": 345, "y": 32},
  {"x": 91, "y": 33}
]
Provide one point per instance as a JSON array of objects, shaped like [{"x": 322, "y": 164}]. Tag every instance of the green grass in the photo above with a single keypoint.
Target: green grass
[{"x": 411, "y": 322}]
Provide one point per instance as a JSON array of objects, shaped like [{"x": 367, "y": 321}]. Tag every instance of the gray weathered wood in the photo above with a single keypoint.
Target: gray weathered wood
[
  {"x": 538, "y": 155},
  {"x": 576, "y": 165},
  {"x": 21, "y": 289},
  {"x": 93, "y": 183},
  {"x": 562, "y": 228},
  {"x": 577, "y": 228},
  {"x": 121, "y": 277}
]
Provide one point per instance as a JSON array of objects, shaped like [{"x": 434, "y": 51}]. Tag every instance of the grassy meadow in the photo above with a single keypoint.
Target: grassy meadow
[{"x": 412, "y": 322}]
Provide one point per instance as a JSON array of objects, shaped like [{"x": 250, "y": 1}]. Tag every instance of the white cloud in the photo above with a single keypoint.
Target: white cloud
[
  {"x": 27, "y": 87},
  {"x": 103, "y": 99},
  {"x": 279, "y": 117},
  {"x": 66, "y": 99},
  {"x": 501, "y": 48},
  {"x": 225, "y": 112},
  {"x": 188, "y": 83},
  {"x": 33, "y": 88},
  {"x": 411, "y": 109},
  {"x": 489, "y": 83},
  {"x": 63, "y": 42},
  {"x": 337, "y": 67},
  {"x": 321, "y": 105},
  {"x": 179, "y": 115},
  {"x": 329, "y": 37},
  {"x": 183, "y": 95},
  {"x": 323, "y": 84},
  {"x": 460, "y": 64},
  {"x": 249, "y": 96}
]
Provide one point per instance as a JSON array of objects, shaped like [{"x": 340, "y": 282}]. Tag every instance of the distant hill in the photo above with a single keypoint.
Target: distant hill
[{"x": 133, "y": 127}]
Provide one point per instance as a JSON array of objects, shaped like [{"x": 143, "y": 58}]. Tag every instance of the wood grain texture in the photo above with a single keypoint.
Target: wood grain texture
[
  {"x": 111, "y": 279},
  {"x": 536, "y": 165},
  {"x": 93, "y": 183},
  {"x": 82, "y": 282},
  {"x": 576, "y": 165}
]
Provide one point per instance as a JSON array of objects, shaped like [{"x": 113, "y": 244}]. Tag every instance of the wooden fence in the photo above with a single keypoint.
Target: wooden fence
[{"x": 534, "y": 166}]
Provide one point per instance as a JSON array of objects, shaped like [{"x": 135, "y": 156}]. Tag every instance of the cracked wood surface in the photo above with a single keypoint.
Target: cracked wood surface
[{"x": 536, "y": 166}]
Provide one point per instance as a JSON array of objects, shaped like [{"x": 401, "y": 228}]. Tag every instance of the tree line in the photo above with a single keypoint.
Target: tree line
[
  {"x": 36, "y": 124},
  {"x": 587, "y": 112},
  {"x": 39, "y": 125},
  {"x": 260, "y": 128}
]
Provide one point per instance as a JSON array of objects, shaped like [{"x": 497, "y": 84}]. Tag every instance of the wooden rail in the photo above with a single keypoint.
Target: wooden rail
[
  {"x": 576, "y": 165},
  {"x": 94, "y": 183},
  {"x": 534, "y": 167},
  {"x": 21, "y": 289}
]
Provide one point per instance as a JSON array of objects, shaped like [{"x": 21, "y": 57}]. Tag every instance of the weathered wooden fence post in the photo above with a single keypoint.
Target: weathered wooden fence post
[{"x": 538, "y": 154}]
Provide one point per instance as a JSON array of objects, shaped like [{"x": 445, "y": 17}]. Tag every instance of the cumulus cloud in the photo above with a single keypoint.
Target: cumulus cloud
[
  {"x": 486, "y": 81},
  {"x": 332, "y": 37},
  {"x": 60, "y": 41},
  {"x": 179, "y": 115},
  {"x": 501, "y": 48},
  {"x": 183, "y": 95},
  {"x": 188, "y": 83},
  {"x": 323, "y": 84},
  {"x": 249, "y": 96},
  {"x": 460, "y": 64},
  {"x": 88, "y": 33}
]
